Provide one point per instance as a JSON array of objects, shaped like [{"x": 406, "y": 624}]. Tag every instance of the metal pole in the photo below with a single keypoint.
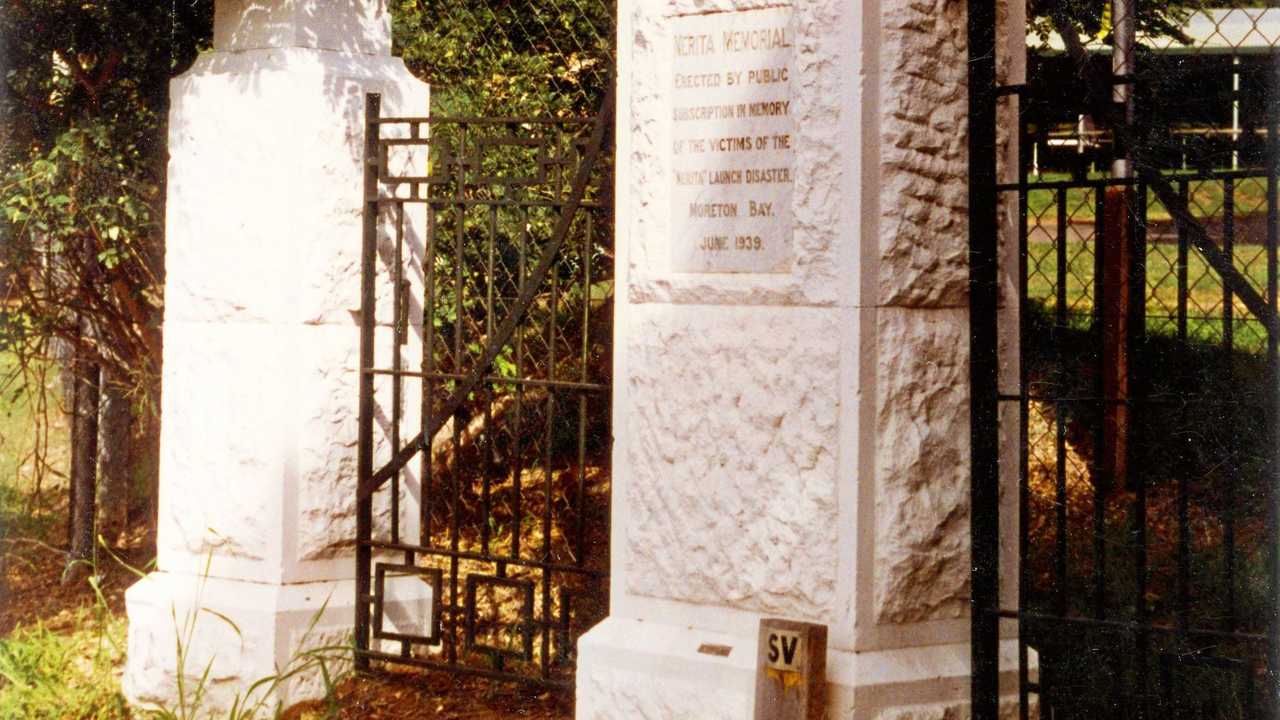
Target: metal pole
[
  {"x": 368, "y": 305},
  {"x": 984, "y": 526},
  {"x": 1120, "y": 254},
  {"x": 1235, "y": 112},
  {"x": 1123, "y": 64}
]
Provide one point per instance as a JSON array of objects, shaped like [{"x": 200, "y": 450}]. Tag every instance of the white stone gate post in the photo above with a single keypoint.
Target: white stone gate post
[
  {"x": 791, "y": 412},
  {"x": 257, "y": 477}
]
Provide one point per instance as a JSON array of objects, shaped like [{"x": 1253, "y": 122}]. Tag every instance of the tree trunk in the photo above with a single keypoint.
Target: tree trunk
[
  {"x": 63, "y": 353},
  {"x": 115, "y": 459},
  {"x": 84, "y": 466}
]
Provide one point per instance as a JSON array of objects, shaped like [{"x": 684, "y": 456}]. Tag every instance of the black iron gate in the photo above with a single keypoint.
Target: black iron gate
[
  {"x": 1124, "y": 230},
  {"x": 506, "y": 519}
]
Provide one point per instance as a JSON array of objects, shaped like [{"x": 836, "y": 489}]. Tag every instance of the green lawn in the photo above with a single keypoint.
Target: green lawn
[
  {"x": 1204, "y": 297},
  {"x": 1205, "y": 198}
]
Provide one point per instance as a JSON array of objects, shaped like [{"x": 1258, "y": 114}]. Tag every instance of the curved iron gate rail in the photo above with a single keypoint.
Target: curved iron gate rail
[
  {"x": 1146, "y": 398},
  {"x": 512, "y": 511}
]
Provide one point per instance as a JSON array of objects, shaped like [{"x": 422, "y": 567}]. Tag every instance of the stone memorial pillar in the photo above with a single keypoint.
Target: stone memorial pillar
[
  {"x": 791, "y": 413},
  {"x": 257, "y": 477}
]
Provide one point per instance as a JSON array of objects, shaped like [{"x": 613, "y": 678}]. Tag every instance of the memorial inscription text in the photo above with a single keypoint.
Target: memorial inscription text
[{"x": 732, "y": 141}]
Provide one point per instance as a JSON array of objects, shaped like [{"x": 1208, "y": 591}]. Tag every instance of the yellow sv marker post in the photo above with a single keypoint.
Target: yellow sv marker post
[{"x": 791, "y": 677}]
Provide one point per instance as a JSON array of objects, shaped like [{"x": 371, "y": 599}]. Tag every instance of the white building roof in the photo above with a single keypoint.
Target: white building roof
[{"x": 1211, "y": 31}]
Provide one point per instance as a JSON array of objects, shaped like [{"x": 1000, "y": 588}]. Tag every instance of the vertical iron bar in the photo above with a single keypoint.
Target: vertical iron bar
[
  {"x": 587, "y": 246},
  {"x": 1229, "y": 467},
  {"x": 455, "y": 480},
  {"x": 1060, "y": 582},
  {"x": 580, "y": 534},
  {"x": 1184, "y": 499},
  {"x": 984, "y": 446},
  {"x": 1272, "y": 676},
  {"x": 1228, "y": 249},
  {"x": 1184, "y": 532},
  {"x": 489, "y": 270},
  {"x": 517, "y": 494},
  {"x": 364, "y": 452},
  {"x": 397, "y": 380},
  {"x": 489, "y": 439},
  {"x": 1101, "y": 482},
  {"x": 428, "y": 366},
  {"x": 1183, "y": 280},
  {"x": 1138, "y": 416},
  {"x": 1024, "y": 457},
  {"x": 548, "y": 484}
]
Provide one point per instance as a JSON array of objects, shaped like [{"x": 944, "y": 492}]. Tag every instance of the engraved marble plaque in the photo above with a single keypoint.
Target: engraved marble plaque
[{"x": 732, "y": 155}]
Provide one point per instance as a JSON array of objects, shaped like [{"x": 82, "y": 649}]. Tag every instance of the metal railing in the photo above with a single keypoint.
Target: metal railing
[
  {"x": 504, "y": 514},
  {"x": 1146, "y": 387}
]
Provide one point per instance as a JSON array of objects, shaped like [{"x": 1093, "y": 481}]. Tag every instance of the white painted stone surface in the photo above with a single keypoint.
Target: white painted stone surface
[
  {"x": 922, "y": 457},
  {"x": 636, "y": 669},
  {"x": 796, "y": 444},
  {"x": 923, "y": 116},
  {"x": 285, "y": 245},
  {"x": 640, "y": 669},
  {"x": 821, "y": 163},
  {"x": 407, "y": 608},
  {"x": 732, "y": 159},
  {"x": 727, "y": 432},
  {"x": 352, "y": 26},
  {"x": 263, "y": 474},
  {"x": 752, "y": 470},
  {"x": 240, "y": 633},
  {"x": 258, "y": 445}
]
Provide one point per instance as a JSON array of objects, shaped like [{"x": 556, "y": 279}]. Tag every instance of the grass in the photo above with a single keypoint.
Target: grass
[
  {"x": 1204, "y": 289},
  {"x": 34, "y": 446},
  {"x": 1205, "y": 198},
  {"x": 67, "y": 664},
  {"x": 47, "y": 674}
]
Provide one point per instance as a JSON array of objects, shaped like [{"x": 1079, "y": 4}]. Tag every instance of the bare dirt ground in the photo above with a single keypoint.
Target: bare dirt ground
[
  {"x": 437, "y": 696},
  {"x": 32, "y": 590}
]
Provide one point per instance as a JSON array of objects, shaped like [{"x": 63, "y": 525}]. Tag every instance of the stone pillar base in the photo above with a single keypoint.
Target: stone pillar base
[
  {"x": 637, "y": 669},
  {"x": 233, "y": 634}
]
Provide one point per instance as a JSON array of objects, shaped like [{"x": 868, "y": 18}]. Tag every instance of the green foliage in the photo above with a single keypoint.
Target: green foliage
[
  {"x": 1092, "y": 20},
  {"x": 82, "y": 157},
  {"x": 47, "y": 675},
  {"x": 84, "y": 212},
  {"x": 514, "y": 58}
]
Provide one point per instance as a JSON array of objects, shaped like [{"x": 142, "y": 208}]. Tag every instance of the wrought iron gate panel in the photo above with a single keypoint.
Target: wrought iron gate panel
[
  {"x": 513, "y": 451},
  {"x": 1144, "y": 393}
]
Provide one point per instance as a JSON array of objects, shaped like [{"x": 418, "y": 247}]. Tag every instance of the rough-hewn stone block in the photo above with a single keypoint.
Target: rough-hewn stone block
[
  {"x": 923, "y": 155},
  {"x": 275, "y": 138},
  {"x": 922, "y": 478},
  {"x": 262, "y": 468},
  {"x": 732, "y": 493}
]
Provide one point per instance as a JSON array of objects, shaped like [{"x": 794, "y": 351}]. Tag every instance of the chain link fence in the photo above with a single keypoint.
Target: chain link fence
[
  {"x": 1148, "y": 207},
  {"x": 1200, "y": 117},
  {"x": 509, "y": 58}
]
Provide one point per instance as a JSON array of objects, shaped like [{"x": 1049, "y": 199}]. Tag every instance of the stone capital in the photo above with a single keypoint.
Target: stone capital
[{"x": 351, "y": 26}]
